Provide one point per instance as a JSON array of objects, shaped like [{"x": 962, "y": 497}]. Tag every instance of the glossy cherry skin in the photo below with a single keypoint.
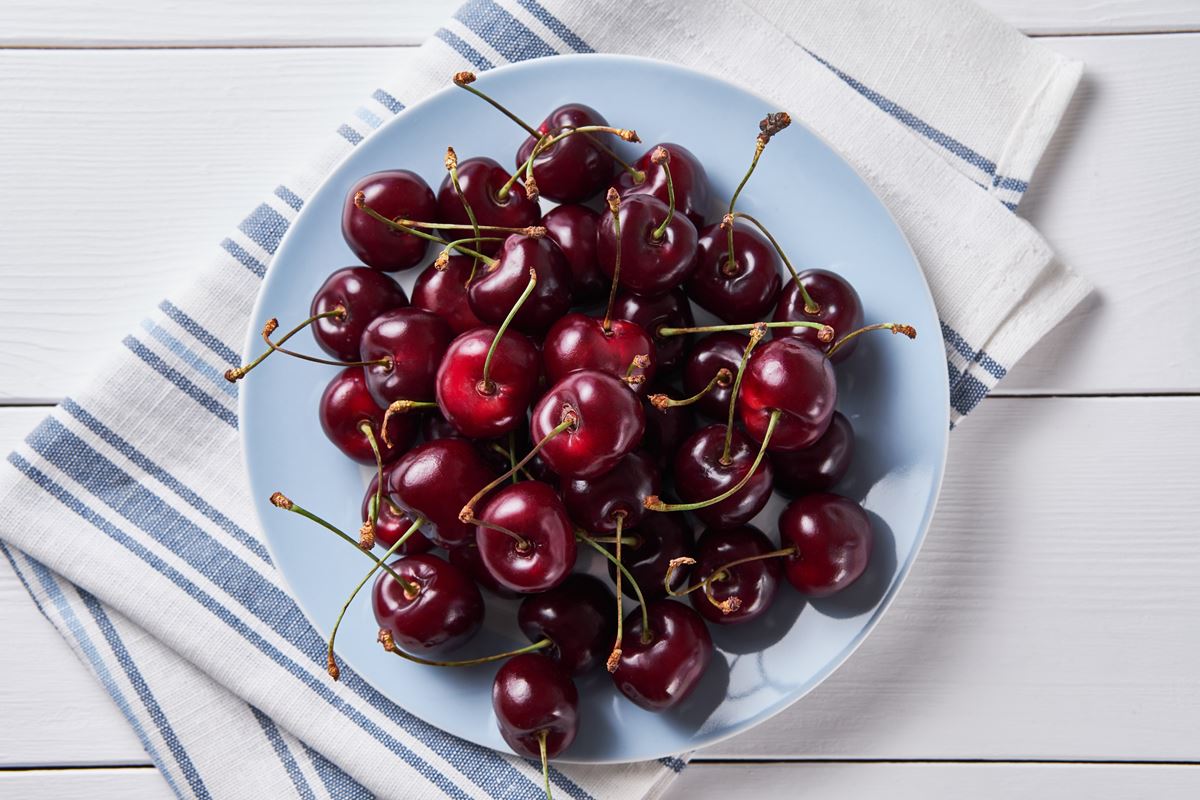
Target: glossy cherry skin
[
  {"x": 666, "y": 429},
  {"x": 533, "y": 510},
  {"x": 833, "y": 540},
  {"x": 754, "y": 583},
  {"x": 415, "y": 341},
  {"x": 789, "y": 376},
  {"x": 573, "y": 229},
  {"x": 661, "y": 537},
  {"x": 435, "y": 480},
  {"x": 434, "y": 426},
  {"x": 649, "y": 265},
  {"x": 578, "y": 341},
  {"x": 364, "y": 294},
  {"x": 392, "y": 522},
  {"x": 446, "y": 612},
  {"x": 444, "y": 292},
  {"x": 840, "y": 309},
  {"x": 665, "y": 310},
  {"x": 595, "y": 504},
  {"x": 573, "y": 169},
  {"x": 531, "y": 694},
  {"x": 466, "y": 557},
  {"x": 486, "y": 412},
  {"x": 395, "y": 194},
  {"x": 746, "y": 294},
  {"x": 687, "y": 173},
  {"x": 481, "y": 180},
  {"x": 577, "y": 616},
  {"x": 661, "y": 674},
  {"x": 496, "y": 289},
  {"x": 712, "y": 353},
  {"x": 700, "y": 475},
  {"x": 820, "y": 466},
  {"x": 609, "y": 424},
  {"x": 347, "y": 404}
]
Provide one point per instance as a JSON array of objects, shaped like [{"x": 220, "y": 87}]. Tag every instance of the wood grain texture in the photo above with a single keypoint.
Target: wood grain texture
[{"x": 1050, "y": 616}]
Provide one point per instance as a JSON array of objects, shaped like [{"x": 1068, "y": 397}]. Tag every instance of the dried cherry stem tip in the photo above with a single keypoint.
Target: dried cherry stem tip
[
  {"x": 894, "y": 327},
  {"x": 569, "y": 419},
  {"x": 388, "y": 640}
]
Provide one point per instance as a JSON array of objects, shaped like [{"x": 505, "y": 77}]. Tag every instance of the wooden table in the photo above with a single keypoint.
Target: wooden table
[{"x": 1048, "y": 641}]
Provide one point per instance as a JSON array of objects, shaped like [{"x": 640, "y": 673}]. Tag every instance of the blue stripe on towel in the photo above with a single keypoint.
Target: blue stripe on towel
[
  {"x": 271, "y": 731},
  {"x": 206, "y": 401},
  {"x": 199, "y": 332}
]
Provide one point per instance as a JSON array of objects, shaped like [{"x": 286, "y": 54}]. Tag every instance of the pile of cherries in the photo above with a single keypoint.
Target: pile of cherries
[{"x": 546, "y": 388}]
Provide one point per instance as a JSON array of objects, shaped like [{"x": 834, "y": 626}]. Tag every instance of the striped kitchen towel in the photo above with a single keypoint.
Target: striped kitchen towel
[{"x": 125, "y": 512}]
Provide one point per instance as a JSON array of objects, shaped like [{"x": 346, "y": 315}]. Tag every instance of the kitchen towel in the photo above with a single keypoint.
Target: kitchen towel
[{"x": 125, "y": 513}]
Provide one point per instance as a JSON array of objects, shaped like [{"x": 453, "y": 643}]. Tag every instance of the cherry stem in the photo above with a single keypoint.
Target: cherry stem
[
  {"x": 569, "y": 420},
  {"x": 728, "y": 605},
  {"x": 723, "y": 378},
  {"x": 279, "y": 500},
  {"x": 366, "y": 536},
  {"x": 361, "y": 203},
  {"x": 536, "y": 231},
  {"x": 614, "y": 658},
  {"x": 385, "y": 362},
  {"x": 654, "y": 504},
  {"x": 523, "y": 543},
  {"x": 389, "y": 643},
  {"x": 759, "y": 145},
  {"x": 401, "y": 407},
  {"x": 331, "y": 662},
  {"x": 632, "y": 541},
  {"x": 746, "y": 326},
  {"x": 485, "y": 382},
  {"x": 463, "y": 80},
  {"x": 545, "y": 762},
  {"x": 545, "y": 142},
  {"x": 511, "y": 455},
  {"x": 810, "y": 306},
  {"x": 237, "y": 373},
  {"x": 452, "y": 168},
  {"x": 662, "y": 157},
  {"x": 894, "y": 327},
  {"x": 622, "y": 570},
  {"x": 756, "y": 335},
  {"x": 614, "y": 208},
  {"x": 639, "y": 177}
]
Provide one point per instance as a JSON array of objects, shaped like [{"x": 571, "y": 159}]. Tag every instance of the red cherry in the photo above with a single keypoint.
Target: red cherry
[
  {"x": 542, "y": 552},
  {"x": 364, "y": 294},
  {"x": 392, "y": 522},
  {"x": 833, "y": 540},
  {"x": 666, "y": 429},
  {"x": 445, "y": 612},
  {"x": 573, "y": 229},
  {"x": 414, "y": 341},
  {"x": 714, "y": 352},
  {"x": 747, "y": 589},
  {"x": 661, "y": 673},
  {"x": 346, "y": 405},
  {"x": 573, "y": 169},
  {"x": 433, "y": 480},
  {"x": 577, "y": 617},
  {"x": 534, "y": 699},
  {"x": 596, "y": 504},
  {"x": 795, "y": 379},
  {"x": 466, "y": 557},
  {"x": 487, "y": 410},
  {"x": 444, "y": 292},
  {"x": 660, "y": 538},
  {"x": 700, "y": 475},
  {"x": 650, "y": 264},
  {"x": 396, "y": 194},
  {"x": 609, "y": 423},
  {"x": 481, "y": 180},
  {"x": 820, "y": 466},
  {"x": 495, "y": 290},
  {"x": 580, "y": 342},
  {"x": 691, "y": 182},
  {"x": 671, "y": 310},
  {"x": 747, "y": 291},
  {"x": 840, "y": 309}
]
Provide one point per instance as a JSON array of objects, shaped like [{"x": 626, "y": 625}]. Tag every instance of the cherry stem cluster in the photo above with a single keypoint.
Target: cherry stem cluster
[
  {"x": 730, "y": 604},
  {"x": 569, "y": 420},
  {"x": 360, "y": 201},
  {"x": 624, "y": 571}
]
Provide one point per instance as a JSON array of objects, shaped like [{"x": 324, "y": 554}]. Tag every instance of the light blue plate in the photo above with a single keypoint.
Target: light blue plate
[{"x": 893, "y": 390}]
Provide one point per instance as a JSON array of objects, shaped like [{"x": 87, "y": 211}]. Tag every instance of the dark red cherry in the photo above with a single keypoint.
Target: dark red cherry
[
  {"x": 481, "y": 180},
  {"x": 687, "y": 173},
  {"x": 573, "y": 229},
  {"x": 661, "y": 673},
  {"x": 744, "y": 293},
  {"x": 753, "y": 584},
  {"x": 346, "y": 405},
  {"x": 666, "y": 429},
  {"x": 820, "y": 466},
  {"x": 392, "y": 522},
  {"x": 833, "y": 540},
  {"x": 434, "y": 426},
  {"x": 840, "y": 309},
  {"x": 444, "y": 292},
  {"x": 700, "y": 475},
  {"x": 789, "y": 376},
  {"x": 487, "y": 410},
  {"x": 670, "y": 310},
  {"x": 395, "y": 194},
  {"x": 609, "y": 422},
  {"x": 596, "y": 503},
  {"x": 649, "y": 265},
  {"x": 414, "y": 340},
  {"x": 434, "y": 480},
  {"x": 446, "y": 611},
  {"x": 365, "y": 294},
  {"x": 577, "y": 616},
  {"x": 532, "y": 694},
  {"x": 466, "y": 557},
  {"x": 574, "y": 169},
  {"x": 660, "y": 538},
  {"x": 714, "y": 352},
  {"x": 496, "y": 289},
  {"x": 578, "y": 342},
  {"x": 544, "y": 555}
]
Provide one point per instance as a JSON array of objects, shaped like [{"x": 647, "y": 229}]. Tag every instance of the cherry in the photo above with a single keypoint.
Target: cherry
[
  {"x": 396, "y": 194},
  {"x": 701, "y": 473},
  {"x": 790, "y": 376},
  {"x": 820, "y": 466},
  {"x": 573, "y": 169},
  {"x": 364, "y": 294},
  {"x": 833, "y": 540},
  {"x": 486, "y": 406},
  {"x": 660, "y": 670},
  {"x": 346, "y": 408},
  {"x": 666, "y": 429},
  {"x": 839, "y": 307},
  {"x": 443, "y": 291},
  {"x": 494, "y": 291},
  {"x": 576, "y": 616},
  {"x": 446, "y": 610},
  {"x": 434, "y": 426},
  {"x": 411, "y": 342},
  {"x": 482, "y": 179},
  {"x": 607, "y": 422},
  {"x": 671, "y": 309},
  {"x": 658, "y": 540},
  {"x": 433, "y": 480},
  {"x": 743, "y": 290},
  {"x": 525, "y": 537},
  {"x": 573, "y": 229},
  {"x": 466, "y": 557},
  {"x": 392, "y": 522},
  {"x": 594, "y": 504},
  {"x": 714, "y": 352},
  {"x": 735, "y": 594},
  {"x": 652, "y": 262},
  {"x": 537, "y": 707},
  {"x": 687, "y": 173},
  {"x": 578, "y": 342}
]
